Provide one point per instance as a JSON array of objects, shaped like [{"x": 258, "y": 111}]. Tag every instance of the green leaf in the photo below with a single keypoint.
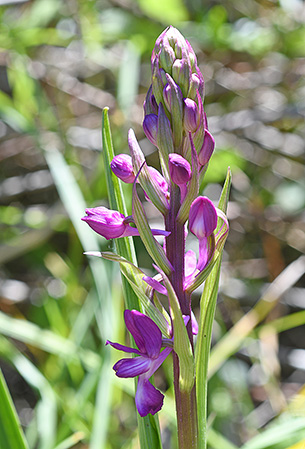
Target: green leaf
[
  {"x": 11, "y": 435},
  {"x": 207, "y": 312},
  {"x": 149, "y": 432}
]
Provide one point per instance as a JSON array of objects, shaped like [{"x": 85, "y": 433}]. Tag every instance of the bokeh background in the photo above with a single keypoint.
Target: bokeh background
[{"x": 61, "y": 63}]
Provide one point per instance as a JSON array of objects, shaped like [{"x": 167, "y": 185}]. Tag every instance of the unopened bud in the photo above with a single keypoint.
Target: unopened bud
[
  {"x": 195, "y": 84},
  {"x": 167, "y": 58},
  {"x": 191, "y": 115},
  {"x": 150, "y": 104},
  {"x": 150, "y": 126},
  {"x": 207, "y": 148},
  {"x": 202, "y": 217},
  {"x": 181, "y": 75},
  {"x": 179, "y": 169},
  {"x": 121, "y": 165}
]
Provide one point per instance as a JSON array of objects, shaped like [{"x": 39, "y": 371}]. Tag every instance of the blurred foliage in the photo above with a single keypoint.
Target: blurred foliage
[{"x": 60, "y": 64}]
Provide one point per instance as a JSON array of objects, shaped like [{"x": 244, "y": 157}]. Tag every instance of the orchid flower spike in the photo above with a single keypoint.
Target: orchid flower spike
[{"x": 148, "y": 339}]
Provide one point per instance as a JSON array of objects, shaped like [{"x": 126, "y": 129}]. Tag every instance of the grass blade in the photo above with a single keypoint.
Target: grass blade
[{"x": 11, "y": 435}]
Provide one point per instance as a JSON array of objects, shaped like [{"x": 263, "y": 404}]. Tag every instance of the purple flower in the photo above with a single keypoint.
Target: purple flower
[
  {"x": 202, "y": 217},
  {"x": 111, "y": 224},
  {"x": 121, "y": 165},
  {"x": 202, "y": 222},
  {"x": 148, "y": 339},
  {"x": 179, "y": 169},
  {"x": 207, "y": 148},
  {"x": 150, "y": 126},
  {"x": 191, "y": 115}
]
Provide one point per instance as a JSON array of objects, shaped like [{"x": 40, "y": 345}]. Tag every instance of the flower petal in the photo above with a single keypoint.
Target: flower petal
[
  {"x": 132, "y": 367},
  {"x": 148, "y": 398},
  {"x": 155, "y": 284},
  {"x": 145, "y": 332},
  {"x": 123, "y": 348}
]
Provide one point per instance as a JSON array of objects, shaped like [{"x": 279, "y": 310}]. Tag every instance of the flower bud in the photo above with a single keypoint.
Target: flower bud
[
  {"x": 202, "y": 217},
  {"x": 195, "y": 84},
  {"x": 191, "y": 115},
  {"x": 179, "y": 169},
  {"x": 121, "y": 166},
  {"x": 150, "y": 126},
  {"x": 167, "y": 96},
  {"x": 207, "y": 148},
  {"x": 150, "y": 104},
  {"x": 167, "y": 58},
  {"x": 181, "y": 75}
]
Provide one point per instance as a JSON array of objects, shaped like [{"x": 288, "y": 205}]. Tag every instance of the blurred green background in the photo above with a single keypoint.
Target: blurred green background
[{"x": 61, "y": 63}]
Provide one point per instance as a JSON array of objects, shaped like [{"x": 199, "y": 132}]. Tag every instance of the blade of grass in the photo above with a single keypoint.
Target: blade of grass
[
  {"x": 11, "y": 435},
  {"x": 74, "y": 203},
  {"x": 149, "y": 432},
  {"x": 287, "y": 431},
  {"x": 46, "y": 340},
  {"x": 46, "y": 408},
  {"x": 71, "y": 441}
]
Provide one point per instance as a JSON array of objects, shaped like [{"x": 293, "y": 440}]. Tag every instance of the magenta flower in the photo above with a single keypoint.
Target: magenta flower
[
  {"x": 150, "y": 127},
  {"x": 148, "y": 339},
  {"x": 191, "y": 115},
  {"x": 111, "y": 224},
  {"x": 179, "y": 169},
  {"x": 121, "y": 165},
  {"x": 202, "y": 217},
  {"x": 202, "y": 222},
  {"x": 207, "y": 148}
]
